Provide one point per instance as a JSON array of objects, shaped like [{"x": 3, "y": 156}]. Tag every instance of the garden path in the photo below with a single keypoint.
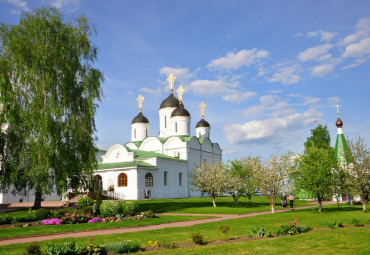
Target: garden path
[{"x": 90, "y": 233}]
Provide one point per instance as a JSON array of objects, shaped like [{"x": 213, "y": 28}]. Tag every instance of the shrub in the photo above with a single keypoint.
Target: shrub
[
  {"x": 260, "y": 231},
  {"x": 54, "y": 221},
  {"x": 95, "y": 220},
  {"x": 110, "y": 208},
  {"x": 73, "y": 218},
  {"x": 61, "y": 212},
  {"x": 289, "y": 228},
  {"x": 87, "y": 209},
  {"x": 94, "y": 249},
  {"x": 224, "y": 229},
  {"x": 42, "y": 214},
  {"x": 6, "y": 219},
  {"x": 130, "y": 207},
  {"x": 98, "y": 202},
  {"x": 85, "y": 201},
  {"x": 69, "y": 248},
  {"x": 357, "y": 223},
  {"x": 335, "y": 223},
  {"x": 122, "y": 247},
  {"x": 170, "y": 245},
  {"x": 33, "y": 249},
  {"x": 27, "y": 218},
  {"x": 303, "y": 229},
  {"x": 154, "y": 244},
  {"x": 198, "y": 238}
]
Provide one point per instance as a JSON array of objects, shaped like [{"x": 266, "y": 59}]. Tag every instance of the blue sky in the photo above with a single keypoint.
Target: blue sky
[{"x": 268, "y": 71}]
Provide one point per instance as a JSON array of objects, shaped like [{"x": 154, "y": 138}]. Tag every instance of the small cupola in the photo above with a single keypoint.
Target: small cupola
[
  {"x": 339, "y": 122},
  {"x": 140, "y": 124},
  {"x": 202, "y": 129},
  {"x": 180, "y": 117}
]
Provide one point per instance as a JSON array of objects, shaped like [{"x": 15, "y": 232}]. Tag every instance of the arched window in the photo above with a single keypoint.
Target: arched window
[
  {"x": 165, "y": 121},
  {"x": 176, "y": 127},
  {"x": 149, "y": 180},
  {"x": 98, "y": 182},
  {"x": 122, "y": 180},
  {"x": 165, "y": 178},
  {"x": 180, "y": 179},
  {"x": 134, "y": 132}
]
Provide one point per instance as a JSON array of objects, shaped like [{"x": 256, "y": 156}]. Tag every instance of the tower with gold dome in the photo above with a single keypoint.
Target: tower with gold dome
[
  {"x": 158, "y": 166},
  {"x": 341, "y": 150}
]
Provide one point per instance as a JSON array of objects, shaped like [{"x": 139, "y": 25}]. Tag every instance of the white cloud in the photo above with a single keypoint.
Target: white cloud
[
  {"x": 322, "y": 70},
  {"x": 314, "y": 52},
  {"x": 270, "y": 128},
  {"x": 362, "y": 31},
  {"x": 359, "y": 49},
  {"x": 236, "y": 60},
  {"x": 311, "y": 100},
  {"x": 358, "y": 62},
  {"x": 181, "y": 73},
  {"x": 325, "y": 36},
  {"x": 238, "y": 97},
  {"x": 155, "y": 92},
  {"x": 333, "y": 101},
  {"x": 287, "y": 75},
  {"x": 254, "y": 111},
  {"x": 63, "y": 3},
  {"x": 18, "y": 3},
  {"x": 211, "y": 88},
  {"x": 268, "y": 99},
  {"x": 325, "y": 57}
]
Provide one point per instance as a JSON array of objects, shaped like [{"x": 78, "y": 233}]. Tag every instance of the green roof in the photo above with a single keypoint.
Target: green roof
[
  {"x": 341, "y": 151},
  {"x": 137, "y": 143},
  {"x": 185, "y": 138},
  {"x": 150, "y": 154},
  {"x": 127, "y": 148},
  {"x": 201, "y": 140},
  {"x": 123, "y": 165}
]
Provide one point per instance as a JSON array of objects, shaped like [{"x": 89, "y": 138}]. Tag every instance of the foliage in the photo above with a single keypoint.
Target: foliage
[
  {"x": 214, "y": 180},
  {"x": 94, "y": 249},
  {"x": 169, "y": 245},
  {"x": 74, "y": 218},
  {"x": 111, "y": 188},
  {"x": 50, "y": 91},
  {"x": 357, "y": 223},
  {"x": 292, "y": 228},
  {"x": 98, "y": 202},
  {"x": 320, "y": 138},
  {"x": 86, "y": 210},
  {"x": 85, "y": 201},
  {"x": 243, "y": 170},
  {"x": 154, "y": 244},
  {"x": 335, "y": 223},
  {"x": 110, "y": 208},
  {"x": 271, "y": 175},
  {"x": 359, "y": 169},
  {"x": 224, "y": 229},
  {"x": 122, "y": 247},
  {"x": 43, "y": 213},
  {"x": 5, "y": 219},
  {"x": 67, "y": 248},
  {"x": 129, "y": 207},
  {"x": 33, "y": 249},
  {"x": 54, "y": 221},
  {"x": 198, "y": 238},
  {"x": 260, "y": 231},
  {"x": 60, "y": 212}
]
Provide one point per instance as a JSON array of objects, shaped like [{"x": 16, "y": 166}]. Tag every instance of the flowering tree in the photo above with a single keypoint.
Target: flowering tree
[
  {"x": 271, "y": 175},
  {"x": 214, "y": 179}
]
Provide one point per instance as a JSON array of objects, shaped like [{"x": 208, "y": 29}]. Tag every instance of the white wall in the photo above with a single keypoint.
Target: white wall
[
  {"x": 165, "y": 130},
  {"x": 8, "y": 198},
  {"x": 142, "y": 131}
]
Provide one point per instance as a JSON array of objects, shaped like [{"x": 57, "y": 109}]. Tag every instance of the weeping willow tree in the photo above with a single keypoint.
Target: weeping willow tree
[{"x": 49, "y": 95}]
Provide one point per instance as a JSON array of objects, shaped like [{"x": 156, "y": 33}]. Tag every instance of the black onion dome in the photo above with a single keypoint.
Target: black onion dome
[
  {"x": 170, "y": 101},
  {"x": 180, "y": 111},
  {"x": 202, "y": 123},
  {"x": 140, "y": 118}
]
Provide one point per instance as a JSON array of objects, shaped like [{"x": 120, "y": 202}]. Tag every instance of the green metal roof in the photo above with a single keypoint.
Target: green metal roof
[
  {"x": 185, "y": 138},
  {"x": 149, "y": 154},
  {"x": 123, "y": 165},
  {"x": 137, "y": 143},
  {"x": 201, "y": 140},
  {"x": 341, "y": 151}
]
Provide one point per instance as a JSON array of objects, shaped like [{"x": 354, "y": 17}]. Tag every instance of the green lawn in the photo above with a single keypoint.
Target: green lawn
[
  {"x": 203, "y": 205},
  {"x": 241, "y": 228}
]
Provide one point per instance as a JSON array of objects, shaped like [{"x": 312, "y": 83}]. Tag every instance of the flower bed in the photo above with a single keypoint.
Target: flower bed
[{"x": 54, "y": 221}]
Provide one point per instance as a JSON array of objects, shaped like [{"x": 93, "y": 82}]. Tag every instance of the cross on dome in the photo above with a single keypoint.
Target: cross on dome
[
  {"x": 180, "y": 91},
  {"x": 337, "y": 106},
  {"x": 140, "y": 100},
  {"x": 171, "y": 81},
  {"x": 202, "y": 107}
]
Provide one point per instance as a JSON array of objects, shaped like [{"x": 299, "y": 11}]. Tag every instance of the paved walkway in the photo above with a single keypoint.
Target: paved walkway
[{"x": 89, "y": 233}]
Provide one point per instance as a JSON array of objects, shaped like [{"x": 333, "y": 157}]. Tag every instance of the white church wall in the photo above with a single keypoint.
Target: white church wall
[
  {"x": 165, "y": 129},
  {"x": 139, "y": 131},
  {"x": 118, "y": 153},
  {"x": 132, "y": 146},
  {"x": 180, "y": 125},
  {"x": 152, "y": 144},
  {"x": 174, "y": 147},
  {"x": 8, "y": 197}
]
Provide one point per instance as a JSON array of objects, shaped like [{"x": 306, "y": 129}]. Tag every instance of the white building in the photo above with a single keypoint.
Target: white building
[{"x": 159, "y": 167}]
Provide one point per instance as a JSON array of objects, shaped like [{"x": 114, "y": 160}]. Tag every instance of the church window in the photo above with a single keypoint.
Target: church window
[
  {"x": 149, "y": 180},
  {"x": 122, "y": 180},
  {"x": 146, "y": 132},
  {"x": 134, "y": 132},
  {"x": 165, "y": 178},
  {"x": 180, "y": 179},
  {"x": 176, "y": 127},
  {"x": 165, "y": 121}
]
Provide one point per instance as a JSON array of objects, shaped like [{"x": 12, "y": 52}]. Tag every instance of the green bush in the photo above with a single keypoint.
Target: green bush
[
  {"x": 28, "y": 218},
  {"x": 130, "y": 207},
  {"x": 85, "y": 201},
  {"x": 87, "y": 210},
  {"x": 110, "y": 208},
  {"x": 303, "y": 229},
  {"x": 197, "y": 238},
  {"x": 335, "y": 223},
  {"x": 33, "y": 249},
  {"x": 42, "y": 214},
  {"x": 98, "y": 201},
  {"x": 122, "y": 247},
  {"x": 69, "y": 248},
  {"x": 357, "y": 223},
  {"x": 6, "y": 219},
  {"x": 260, "y": 231},
  {"x": 94, "y": 249},
  {"x": 60, "y": 212}
]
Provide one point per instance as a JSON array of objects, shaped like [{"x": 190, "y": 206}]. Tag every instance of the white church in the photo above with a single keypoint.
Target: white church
[{"x": 159, "y": 167}]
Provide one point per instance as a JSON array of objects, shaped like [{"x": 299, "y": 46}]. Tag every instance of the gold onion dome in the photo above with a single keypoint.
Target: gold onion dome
[{"x": 339, "y": 122}]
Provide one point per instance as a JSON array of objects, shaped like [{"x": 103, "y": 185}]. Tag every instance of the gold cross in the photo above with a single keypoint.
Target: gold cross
[
  {"x": 140, "y": 100},
  {"x": 202, "y": 106},
  {"x": 171, "y": 81},
  {"x": 180, "y": 91},
  {"x": 337, "y": 106}
]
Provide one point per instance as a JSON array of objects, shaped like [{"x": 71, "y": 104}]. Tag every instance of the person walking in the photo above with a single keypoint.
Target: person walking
[
  {"x": 283, "y": 201},
  {"x": 291, "y": 200}
]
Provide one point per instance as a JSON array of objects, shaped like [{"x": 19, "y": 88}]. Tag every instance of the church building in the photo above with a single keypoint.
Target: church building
[{"x": 158, "y": 166}]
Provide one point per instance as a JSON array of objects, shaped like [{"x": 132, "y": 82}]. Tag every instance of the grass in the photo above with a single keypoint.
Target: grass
[
  {"x": 51, "y": 229},
  {"x": 203, "y": 205},
  {"x": 316, "y": 241}
]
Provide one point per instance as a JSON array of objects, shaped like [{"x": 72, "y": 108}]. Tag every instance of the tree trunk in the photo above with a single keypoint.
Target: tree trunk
[
  {"x": 338, "y": 201},
  {"x": 214, "y": 201},
  {"x": 272, "y": 208},
  {"x": 235, "y": 199},
  {"x": 38, "y": 197},
  {"x": 320, "y": 206},
  {"x": 363, "y": 205},
  {"x": 250, "y": 200}
]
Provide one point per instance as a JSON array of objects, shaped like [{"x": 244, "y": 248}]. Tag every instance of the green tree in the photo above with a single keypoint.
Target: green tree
[
  {"x": 242, "y": 169},
  {"x": 49, "y": 92},
  {"x": 319, "y": 138}
]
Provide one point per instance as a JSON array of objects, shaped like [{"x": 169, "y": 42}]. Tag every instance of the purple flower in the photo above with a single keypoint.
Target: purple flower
[
  {"x": 95, "y": 219},
  {"x": 54, "y": 221}
]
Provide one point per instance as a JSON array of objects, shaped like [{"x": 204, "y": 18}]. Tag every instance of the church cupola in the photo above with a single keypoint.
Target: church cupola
[
  {"x": 140, "y": 124},
  {"x": 202, "y": 129},
  {"x": 341, "y": 150},
  {"x": 166, "y": 108},
  {"x": 180, "y": 117}
]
